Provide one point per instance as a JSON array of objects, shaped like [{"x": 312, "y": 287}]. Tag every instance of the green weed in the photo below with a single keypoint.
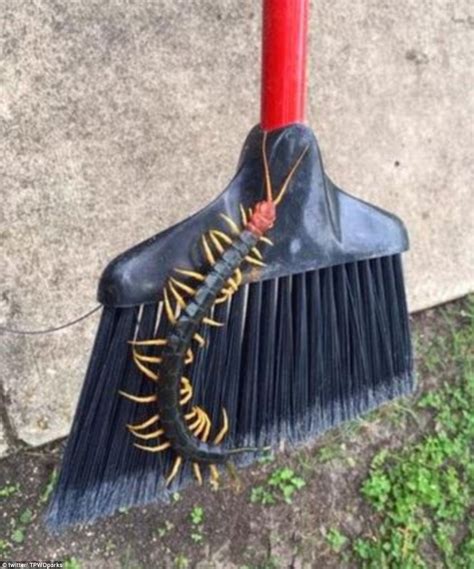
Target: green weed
[
  {"x": 48, "y": 490},
  {"x": 181, "y": 562},
  {"x": 9, "y": 490},
  {"x": 281, "y": 484},
  {"x": 71, "y": 563},
  {"x": 423, "y": 492},
  {"x": 336, "y": 539},
  {"x": 197, "y": 518}
]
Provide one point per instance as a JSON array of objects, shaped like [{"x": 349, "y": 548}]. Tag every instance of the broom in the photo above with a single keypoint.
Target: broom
[{"x": 273, "y": 314}]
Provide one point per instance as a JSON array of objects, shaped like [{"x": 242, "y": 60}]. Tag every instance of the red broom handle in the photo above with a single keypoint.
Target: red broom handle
[{"x": 285, "y": 31}]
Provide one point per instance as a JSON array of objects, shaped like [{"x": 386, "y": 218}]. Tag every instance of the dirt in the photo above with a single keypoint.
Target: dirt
[{"x": 235, "y": 533}]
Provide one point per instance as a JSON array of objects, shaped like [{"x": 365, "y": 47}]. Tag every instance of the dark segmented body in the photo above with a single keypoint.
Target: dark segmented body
[{"x": 178, "y": 342}]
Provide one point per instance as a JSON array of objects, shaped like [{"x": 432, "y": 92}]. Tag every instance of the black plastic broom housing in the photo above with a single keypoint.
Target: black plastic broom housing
[
  {"x": 318, "y": 336},
  {"x": 318, "y": 224}
]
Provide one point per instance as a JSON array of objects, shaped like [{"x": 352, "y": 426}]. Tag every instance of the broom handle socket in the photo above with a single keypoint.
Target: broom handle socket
[{"x": 284, "y": 48}]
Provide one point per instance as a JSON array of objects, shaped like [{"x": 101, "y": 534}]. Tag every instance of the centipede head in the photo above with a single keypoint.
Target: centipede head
[{"x": 262, "y": 218}]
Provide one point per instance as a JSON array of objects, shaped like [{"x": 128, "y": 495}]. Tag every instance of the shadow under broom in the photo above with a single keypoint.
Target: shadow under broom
[{"x": 316, "y": 336}]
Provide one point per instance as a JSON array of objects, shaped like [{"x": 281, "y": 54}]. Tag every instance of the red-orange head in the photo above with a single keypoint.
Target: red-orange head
[{"x": 263, "y": 218}]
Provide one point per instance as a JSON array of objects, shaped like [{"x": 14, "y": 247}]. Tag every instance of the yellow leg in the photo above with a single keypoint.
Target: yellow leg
[
  {"x": 223, "y": 298},
  {"x": 222, "y": 236},
  {"x": 186, "y": 384},
  {"x": 154, "y": 435},
  {"x": 216, "y": 242},
  {"x": 238, "y": 276},
  {"x": 231, "y": 223},
  {"x": 159, "y": 448},
  {"x": 207, "y": 251},
  {"x": 168, "y": 307},
  {"x": 138, "y": 398},
  {"x": 211, "y": 322},
  {"x": 243, "y": 215},
  {"x": 257, "y": 253},
  {"x": 186, "y": 398},
  {"x": 147, "y": 359},
  {"x": 141, "y": 426},
  {"x": 266, "y": 240},
  {"x": 150, "y": 374},
  {"x": 232, "y": 284},
  {"x": 189, "y": 290},
  {"x": 194, "y": 274},
  {"x": 224, "y": 429},
  {"x": 254, "y": 261},
  {"x": 198, "y": 420},
  {"x": 214, "y": 476},
  {"x": 197, "y": 473},
  {"x": 189, "y": 357},
  {"x": 199, "y": 339},
  {"x": 179, "y": 299},
  {"x": 174, "y": 471},
  {"x": 154, "y": 342}
]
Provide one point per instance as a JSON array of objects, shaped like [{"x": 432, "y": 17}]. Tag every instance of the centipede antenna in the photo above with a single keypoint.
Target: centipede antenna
[
  {"x": 288, "y": 178},
  {"x": 266, "y": 169}
]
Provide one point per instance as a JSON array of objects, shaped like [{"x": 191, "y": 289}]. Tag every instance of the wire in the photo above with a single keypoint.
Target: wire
[{"x": 6, "y": 330}]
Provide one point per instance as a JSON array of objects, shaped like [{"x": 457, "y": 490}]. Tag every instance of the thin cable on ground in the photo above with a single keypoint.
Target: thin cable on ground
[{"x": 7, "y": 330}]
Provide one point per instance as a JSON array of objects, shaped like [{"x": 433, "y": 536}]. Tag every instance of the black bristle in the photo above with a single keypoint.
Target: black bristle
[{"x": 298, "y": 355}]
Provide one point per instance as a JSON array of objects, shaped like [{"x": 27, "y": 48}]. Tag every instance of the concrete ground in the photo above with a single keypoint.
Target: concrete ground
[{"x": 121, "y": 118}]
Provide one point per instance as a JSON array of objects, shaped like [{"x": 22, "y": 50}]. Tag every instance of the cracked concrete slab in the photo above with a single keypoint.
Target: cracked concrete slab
[{"x": 120, "y": 118}]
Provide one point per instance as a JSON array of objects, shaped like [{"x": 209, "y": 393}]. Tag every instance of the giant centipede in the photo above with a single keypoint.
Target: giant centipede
[{"x": 187, "y": 434}]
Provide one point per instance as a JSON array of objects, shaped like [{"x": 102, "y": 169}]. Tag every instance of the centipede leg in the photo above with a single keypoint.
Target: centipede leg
[
  {"x": 197, "y": 473},
  {"x": 159, "y": 448},
  {"x": 231, "y": 223},
  {"x": 214, "y": 476},
  {"x": 174, "y": 470},
  {"x": 141, "y": 426},
  {"x": 243, "y": 215}
]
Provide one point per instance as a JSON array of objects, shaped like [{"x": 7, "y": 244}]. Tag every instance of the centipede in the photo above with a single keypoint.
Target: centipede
[{"x": 187, "y": 305}]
